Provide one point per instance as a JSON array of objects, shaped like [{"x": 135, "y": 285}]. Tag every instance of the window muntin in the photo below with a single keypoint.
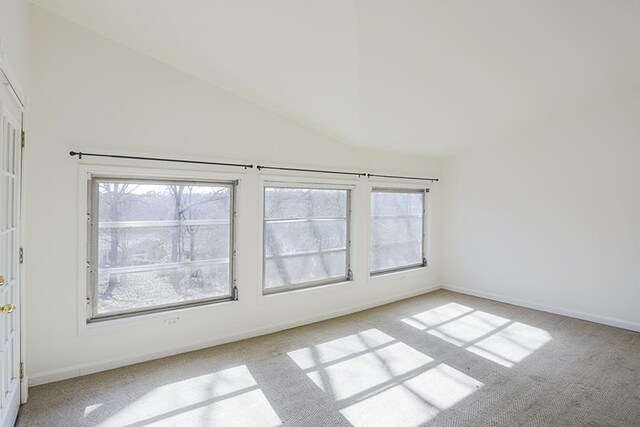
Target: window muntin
[
  {"x": 158, "y": 244},
  {"x": 397, "y": 230},
  {"x": 306, "y": 237}
]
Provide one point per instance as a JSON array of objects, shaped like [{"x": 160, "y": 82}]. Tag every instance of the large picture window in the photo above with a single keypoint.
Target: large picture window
[
  {"x": 397, "y": 230},
  {"x": 158, "y": 244},
  {"x": 306, "y": 237}
]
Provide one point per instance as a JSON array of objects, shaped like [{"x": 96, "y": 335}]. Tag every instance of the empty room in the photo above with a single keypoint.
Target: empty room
[{"x": 311, "y": 213}]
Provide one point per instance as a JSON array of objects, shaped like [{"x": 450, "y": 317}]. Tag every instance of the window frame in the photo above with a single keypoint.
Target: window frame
[
  {"x": 315, "y": 283},
  {"x": 92, "y": 244},
  {"x": 423, "y": 247}
]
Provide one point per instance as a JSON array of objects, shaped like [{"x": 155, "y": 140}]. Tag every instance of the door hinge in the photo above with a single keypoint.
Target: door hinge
[
  {"x": 23, "y": 138},
  {"x": 21, "y": 370},
  {"x": 21, "y": 255}
]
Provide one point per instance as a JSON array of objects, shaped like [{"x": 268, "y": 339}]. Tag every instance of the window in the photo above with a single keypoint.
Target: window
[
  {"x": 157, "y": 244},
  {"x": 306, "y": 237},
  {"x": 397, "y": 230}
]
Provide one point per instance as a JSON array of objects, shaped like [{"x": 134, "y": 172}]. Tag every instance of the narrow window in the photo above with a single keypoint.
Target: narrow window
[
  {"x": 306, "y": 237},
  {"x": 158, "y": 244},
  {"x": 397, "y": 230}
]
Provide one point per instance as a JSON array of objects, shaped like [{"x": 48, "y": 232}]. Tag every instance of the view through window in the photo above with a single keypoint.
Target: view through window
[
  {"x": 158, "y": 244},
  {"x": 306, "y": 237},
  {"x": 397, "y": 230}
]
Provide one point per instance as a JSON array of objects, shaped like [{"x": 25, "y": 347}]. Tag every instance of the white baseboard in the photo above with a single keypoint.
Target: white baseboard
[
  {"x": 89, "y": 368},
  {"x": 103, "y": 365},
  {"x": 624, "y": 324},
  {"x": 24, "y": 389}
]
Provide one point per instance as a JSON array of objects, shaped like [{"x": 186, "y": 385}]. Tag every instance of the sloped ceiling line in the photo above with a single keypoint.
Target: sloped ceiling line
[{"x": 430, "y": 78}]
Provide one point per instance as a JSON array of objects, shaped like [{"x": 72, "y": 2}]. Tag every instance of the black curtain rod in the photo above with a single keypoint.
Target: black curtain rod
[
  {"x": 369, "y": 175},
  {"x": 80, "y": 154},
  {"x": 311, "y": 170}
]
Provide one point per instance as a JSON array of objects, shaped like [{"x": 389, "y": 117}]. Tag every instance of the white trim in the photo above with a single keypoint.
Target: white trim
[
  {"x": 10, "y": 412},
  {"x": 142, "y": 169},
  {"x": 103, "y": 365},
  {"x": 88, "y": 368},
  {"x": 398, "y": 184},
  {"x": 624, "y": 324},
  {"x": 16, "y": 118},
  {"x": 24, "y": 385},
  {"x": 311, "y": 180},
  {"x": 397, "y": 272},
  {"x": 133, "y": 169},
  {"x": 314, "y": 184},
  {"x": 382, "y": 185},
  {"x": 16, "y": 84},
  {"x": 304, "y": 176}
]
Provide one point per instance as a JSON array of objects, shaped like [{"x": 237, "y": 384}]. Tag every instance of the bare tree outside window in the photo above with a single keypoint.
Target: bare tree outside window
[
  {"x": 397, "y": 230},
  {"x": 305, "y": 237},
  {"x": 160, "y": 244}
]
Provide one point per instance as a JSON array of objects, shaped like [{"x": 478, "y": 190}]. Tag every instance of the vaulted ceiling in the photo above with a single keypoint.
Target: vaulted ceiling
[{"x": 418, "y": 76}]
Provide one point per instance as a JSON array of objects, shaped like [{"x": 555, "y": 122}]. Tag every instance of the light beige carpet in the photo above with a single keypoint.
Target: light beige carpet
[{"x": 439, "y": 359}]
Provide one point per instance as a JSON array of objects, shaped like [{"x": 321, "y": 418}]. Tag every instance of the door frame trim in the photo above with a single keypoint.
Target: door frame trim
[
  {"x": 15, "y": 85},
  {"x": 17, "y": 92},
  {"x": 24, "y": 381}
]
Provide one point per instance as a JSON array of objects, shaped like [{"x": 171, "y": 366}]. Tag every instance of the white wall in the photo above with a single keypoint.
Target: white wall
[
  {"x": 13, "y": 41},
  {"x": 91, "y": 94},
  {"x": 552, "y": 220},
  {"x": 548, "y": 219}
]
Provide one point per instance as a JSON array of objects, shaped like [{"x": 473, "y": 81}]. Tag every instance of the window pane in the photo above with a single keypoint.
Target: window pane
[
  {"x": 160, "y": 286},
  {"x": 161, "y": 244},
  {"x": 396, "y": 229},
  {"x": 395, "y": 203},
  {"x": 305, "y": 236},
  {"x": 142, "y": 245},
  {"x": 304, "y": 268},
  {"x": 304, "y": 203}
]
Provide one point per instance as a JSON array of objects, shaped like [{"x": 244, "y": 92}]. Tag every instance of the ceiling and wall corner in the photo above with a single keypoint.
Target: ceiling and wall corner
[
  {"x": 424, "y": 77},
  {"x": 552, "y": 222}
]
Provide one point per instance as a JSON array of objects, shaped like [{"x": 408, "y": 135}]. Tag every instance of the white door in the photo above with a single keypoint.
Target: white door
[{"x": 10, "y": 165}]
